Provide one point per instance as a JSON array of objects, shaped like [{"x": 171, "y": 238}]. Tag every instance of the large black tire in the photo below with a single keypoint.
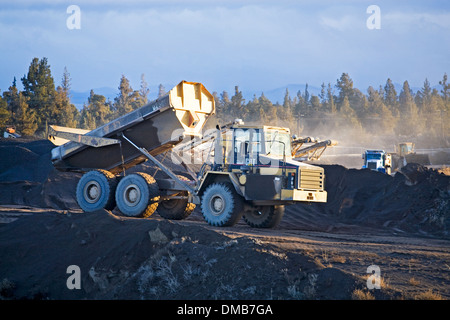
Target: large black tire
[
  {"x": 264, "y": 216},
  {"x": 221, "y": 205},
  {"x": 137, "y": 195},
  {"x": 176, "y": 209},
  {"x": 95, "y": 191}
]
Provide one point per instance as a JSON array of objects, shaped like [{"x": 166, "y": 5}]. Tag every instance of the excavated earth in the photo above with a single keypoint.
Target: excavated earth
[{"x": 399, "y": 223}]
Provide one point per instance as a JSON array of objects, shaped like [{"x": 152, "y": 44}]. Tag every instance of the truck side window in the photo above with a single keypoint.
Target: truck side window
[{"x": 241, "y": 143}]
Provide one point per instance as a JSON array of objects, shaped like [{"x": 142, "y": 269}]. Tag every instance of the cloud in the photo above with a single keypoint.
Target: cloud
[
  {"x": 255, "y": 44},
  {"x": 406, "y": 21},
  {"x": 342, "y": 24}
]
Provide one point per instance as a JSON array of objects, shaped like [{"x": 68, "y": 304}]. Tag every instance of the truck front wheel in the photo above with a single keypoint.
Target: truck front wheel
[
  {"x": 221, "y": 205},
  {"x": 264, "y": 216}
]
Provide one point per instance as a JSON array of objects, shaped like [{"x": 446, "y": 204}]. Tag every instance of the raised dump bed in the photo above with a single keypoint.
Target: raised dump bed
[{"x": 157, "y": 127}]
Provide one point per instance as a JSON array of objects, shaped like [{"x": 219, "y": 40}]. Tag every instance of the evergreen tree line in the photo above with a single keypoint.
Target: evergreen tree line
[
  {"x": 341, "y": 107},
  {"x": 41, "y": 103},
  {"x": 338, "y": 107}
]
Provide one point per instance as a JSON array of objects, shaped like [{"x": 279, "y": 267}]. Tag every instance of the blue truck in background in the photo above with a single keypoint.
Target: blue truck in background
[{"x": 377, "y": 160}]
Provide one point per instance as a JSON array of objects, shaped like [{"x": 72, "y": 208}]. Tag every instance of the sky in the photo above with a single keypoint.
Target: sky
[{"x": 257, "y": 45}]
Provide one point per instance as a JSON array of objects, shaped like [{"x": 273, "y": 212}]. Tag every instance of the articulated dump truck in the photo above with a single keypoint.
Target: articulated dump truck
[{"x": 249, "y": 173}]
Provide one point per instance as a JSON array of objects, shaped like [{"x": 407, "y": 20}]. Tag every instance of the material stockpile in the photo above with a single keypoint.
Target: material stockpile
[{"x": 417, "y": 200}]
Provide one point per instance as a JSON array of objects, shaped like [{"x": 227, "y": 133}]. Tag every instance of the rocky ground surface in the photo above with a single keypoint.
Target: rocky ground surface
[{"x": 399, "y": 223}]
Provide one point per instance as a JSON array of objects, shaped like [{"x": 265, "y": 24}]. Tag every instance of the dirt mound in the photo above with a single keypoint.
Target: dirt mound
[
  {"x": 25, "y": 160},
  {"x": 27, "y": 176},
  {"x": 125, "y": 258},
  {"x": 415, "y": 201},
  {"x": 155, "y": 259}
]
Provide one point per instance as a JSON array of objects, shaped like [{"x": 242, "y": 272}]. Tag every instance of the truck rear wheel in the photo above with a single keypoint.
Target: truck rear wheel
[
  {"x": 264, "y": 216},
  {"x": 137, "y": 195},
  {"x": 95, "y": 191},
  {"x": 175, "y": 209},
  {"x": 221, "y": 205}
]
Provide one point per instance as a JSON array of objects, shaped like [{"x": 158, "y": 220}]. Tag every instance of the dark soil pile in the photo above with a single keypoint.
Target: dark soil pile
[
  {"x": 27, "y": 176},
  {"x": 158, "y": 259},
  {"x": 416, "y": 201},
  {"x": 154, "y": 259}
]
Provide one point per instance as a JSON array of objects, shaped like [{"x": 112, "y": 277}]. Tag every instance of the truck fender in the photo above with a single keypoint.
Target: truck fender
[{"x": 211, "y": 177}]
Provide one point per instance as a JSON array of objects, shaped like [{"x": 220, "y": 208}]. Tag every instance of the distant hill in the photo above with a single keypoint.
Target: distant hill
[{"x": 277, "y": 94}]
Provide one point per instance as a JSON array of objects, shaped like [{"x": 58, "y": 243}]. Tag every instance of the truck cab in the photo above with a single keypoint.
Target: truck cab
[
  {"x": 259, "y": 156},
  {"x": 377, "y": 160},
  {"x": 256, "y": 162}
]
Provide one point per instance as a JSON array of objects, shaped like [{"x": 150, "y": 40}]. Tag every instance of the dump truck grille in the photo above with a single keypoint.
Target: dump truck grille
[
  {"x": 311, "y": 179},
  {"x": 372, "y": 165}
]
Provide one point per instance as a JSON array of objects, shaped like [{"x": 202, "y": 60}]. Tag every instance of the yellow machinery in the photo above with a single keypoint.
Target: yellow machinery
[
  {"x": 406, "y": 154},
  {"x": 252, "y": 173}
]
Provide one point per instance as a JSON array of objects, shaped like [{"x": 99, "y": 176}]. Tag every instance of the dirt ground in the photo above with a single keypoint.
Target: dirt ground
[{"x": 399, "y": 223}]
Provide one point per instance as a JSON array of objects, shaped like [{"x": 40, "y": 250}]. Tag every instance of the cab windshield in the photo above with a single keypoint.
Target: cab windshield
[
  {"x": 371, "y": 156},
  {"x": 277, "y": 143}
]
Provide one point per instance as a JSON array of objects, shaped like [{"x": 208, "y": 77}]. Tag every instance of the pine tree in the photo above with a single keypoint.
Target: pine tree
[
  {"x": 127, "y": 100},
  {"x": 255, "y": 112},
  {"x": 161, "y": 91},
  {"x": 143, "y": 92},
  {"x": 5, "y": 115},
  {"x": 431, "y": 112},
  {"x": 96, "y": 112},
  {"x": 349, "y": 115},
  {"x": 323, "y": 95},
  {"x": 66, "y": 82},
  {"x": 66, "y": 113},
  {"x": 219, "y": 108},
  {"x": 22, "y": 117},
  {"x": 269, "y": 110},
  {"x": 359, "y": 103},
  {"x": 345, "y": 87},
  {"x": 445, "y": 89},
  {"x": 87, "y": 120},
  {"x": 287, "y": 102},
  {"x": 390, "y": 97},
  {"x": 301, "y": 108},
  {"x": 39, "y": 87},
  {"x": 237, "y": 104},
  {"x": 377, "y": 110},
  {"x": 331, "y": 106},
  {"x": 224, "y": 108},
  {"x": 8, "y": 101},
  {"x": 445, "y": 111},
  {"x": 315, "y": 104},
  {"x": 408, "y": 122},
  {"x": 286, "y": 111},
  {"x": 306, "y": 95},
  {"x": 423, "y": 96}
]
